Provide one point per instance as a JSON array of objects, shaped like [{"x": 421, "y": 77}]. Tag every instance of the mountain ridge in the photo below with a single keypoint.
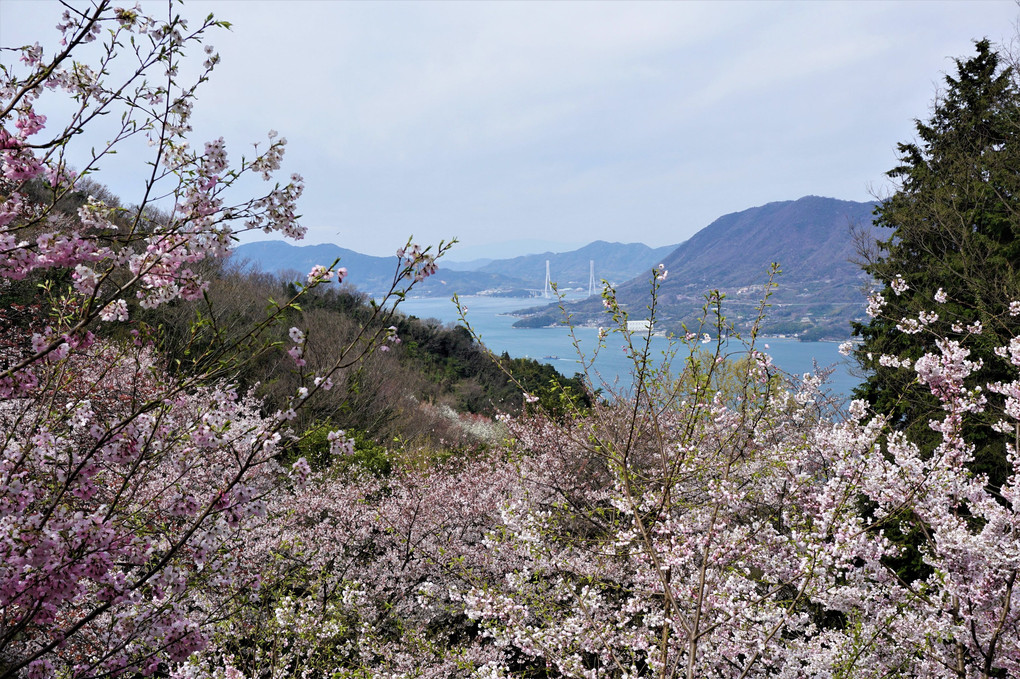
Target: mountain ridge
[
  {"x": 818, "y": 293},
  {"x": 616, "y": 262},
  {"x": 368, "y": 273},
  {"x": 819, "y": 290}
]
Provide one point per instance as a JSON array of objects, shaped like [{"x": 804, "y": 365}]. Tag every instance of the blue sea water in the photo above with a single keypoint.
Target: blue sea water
[{"x": 488, "y": 317}]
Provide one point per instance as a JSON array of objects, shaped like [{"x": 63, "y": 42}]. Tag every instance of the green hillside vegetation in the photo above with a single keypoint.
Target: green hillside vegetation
[
  {"x": 428, "y": 388},
  {"x": 431, "y": 387}
]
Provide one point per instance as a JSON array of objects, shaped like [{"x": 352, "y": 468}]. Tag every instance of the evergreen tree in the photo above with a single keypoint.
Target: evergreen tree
[{"x": 956, "y": 228}]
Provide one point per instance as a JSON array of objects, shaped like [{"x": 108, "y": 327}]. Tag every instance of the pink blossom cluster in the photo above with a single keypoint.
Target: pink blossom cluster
[
  {"x": 703, "y": 537},
  {"x": 160, "y": 254},
  {"x": 714, "y": 553},
  {"x": 419, "y": 263},
  {"x": 710, "y": 538},
  {"x": 125, "y": 494},
  {"x": 118, "y": 508}
]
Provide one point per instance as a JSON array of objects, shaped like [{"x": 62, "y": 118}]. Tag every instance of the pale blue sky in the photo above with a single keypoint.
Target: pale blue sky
[{"x": 566, "y": 121}]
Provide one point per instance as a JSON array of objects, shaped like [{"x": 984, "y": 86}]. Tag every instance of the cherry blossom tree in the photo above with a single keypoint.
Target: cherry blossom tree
[
  {"x": 126, "y": 492},
  {"x": 702, "y": 536}
]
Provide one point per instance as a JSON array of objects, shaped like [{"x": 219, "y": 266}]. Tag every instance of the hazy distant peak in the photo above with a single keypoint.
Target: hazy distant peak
[{"x": 809, "y": 237}]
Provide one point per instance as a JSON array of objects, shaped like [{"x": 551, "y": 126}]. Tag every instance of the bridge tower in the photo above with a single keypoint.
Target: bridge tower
[
  {"x": 547, "y": 290},
  {"x": 591, "y": 277}
]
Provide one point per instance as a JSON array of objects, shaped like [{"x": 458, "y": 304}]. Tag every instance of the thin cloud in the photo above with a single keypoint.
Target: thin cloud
[{"x": 566, "y": 121}]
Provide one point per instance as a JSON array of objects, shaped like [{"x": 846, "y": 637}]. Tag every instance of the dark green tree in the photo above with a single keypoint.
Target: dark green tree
[{"x": 956, "y": 227}]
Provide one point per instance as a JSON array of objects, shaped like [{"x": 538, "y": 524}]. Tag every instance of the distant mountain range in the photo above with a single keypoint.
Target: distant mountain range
[
  {"x": 468, "y": 256},
  {"x": 616, "y": 262},
  {"x": 370, "y": 274},
  {"x": 819, "y": 289}
]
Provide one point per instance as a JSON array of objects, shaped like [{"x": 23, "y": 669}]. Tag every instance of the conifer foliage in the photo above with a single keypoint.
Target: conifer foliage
[{"x": 955, "y": 242}]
